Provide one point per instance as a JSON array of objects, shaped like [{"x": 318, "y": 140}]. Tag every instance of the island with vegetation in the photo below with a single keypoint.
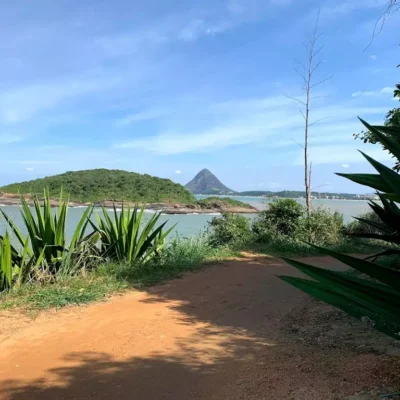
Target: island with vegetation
[{"x": 109, "y": 187}]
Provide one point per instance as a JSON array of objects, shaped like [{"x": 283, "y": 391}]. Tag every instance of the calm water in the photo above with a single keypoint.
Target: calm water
[
  {"x": 189, "y": 225},
  {"x": 349, "y": 208}
]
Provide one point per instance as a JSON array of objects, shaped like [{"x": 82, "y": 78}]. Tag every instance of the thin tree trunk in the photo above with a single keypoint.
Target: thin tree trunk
[
  {"x": 306, "y": 72},
  {"x": 307, "y": 114}
]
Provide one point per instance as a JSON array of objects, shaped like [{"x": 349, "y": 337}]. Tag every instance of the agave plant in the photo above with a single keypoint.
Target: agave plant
[
  {"x": 374, "y": 299},
  {"x": 126, "y": 236},
  {"x": 15, "y": 267},
  {"x": 47, "y": 230}
]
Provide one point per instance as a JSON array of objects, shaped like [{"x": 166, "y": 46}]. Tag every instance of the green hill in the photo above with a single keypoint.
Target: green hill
[{"x": 102, "y": 184}]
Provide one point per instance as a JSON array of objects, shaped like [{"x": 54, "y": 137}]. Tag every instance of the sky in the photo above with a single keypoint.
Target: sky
[{"x": 171, "y": 87}]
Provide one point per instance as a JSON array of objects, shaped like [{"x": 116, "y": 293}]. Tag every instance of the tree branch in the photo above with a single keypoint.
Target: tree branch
[
  {"x": 301, "y": 145},
  {"x": 320, "y": 82},
  {"x": 294, "y": 98},
  {"x": 318, "y": 120},
  {"x": 392, "y": 7}
]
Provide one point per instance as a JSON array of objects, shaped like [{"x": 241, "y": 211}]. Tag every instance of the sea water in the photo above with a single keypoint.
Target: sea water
[{"x": 193, "y": 224}]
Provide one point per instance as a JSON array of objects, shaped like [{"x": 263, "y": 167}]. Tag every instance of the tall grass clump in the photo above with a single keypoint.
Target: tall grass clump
[
  {"x": 46, "y": 240},
  {"x": 15, "y": 266},
  {"x": 127, "y": 236}
]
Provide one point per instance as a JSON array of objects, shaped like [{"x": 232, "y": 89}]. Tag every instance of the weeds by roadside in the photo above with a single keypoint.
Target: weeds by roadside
[
  {"x": 110, "y": 278},
  {"x": 283, "y": 247},
  {"x": 144, "y": 257}
]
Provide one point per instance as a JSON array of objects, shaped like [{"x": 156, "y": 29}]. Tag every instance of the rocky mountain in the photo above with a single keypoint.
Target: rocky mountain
[{"x": 206, "y": 182}]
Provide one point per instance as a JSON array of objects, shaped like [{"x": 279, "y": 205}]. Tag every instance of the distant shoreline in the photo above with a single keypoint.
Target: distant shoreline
[
  {"x": 294, "y": 198},
  {"x": 165, "y": 208}
]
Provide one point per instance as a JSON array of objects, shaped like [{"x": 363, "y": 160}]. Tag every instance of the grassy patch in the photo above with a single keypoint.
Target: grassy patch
[
  {"x": 75, "y": 290},
  {"x": 182, "y": 256},
  {"x": 284, "y": 247},
  {"x": 109, "y": 278}
]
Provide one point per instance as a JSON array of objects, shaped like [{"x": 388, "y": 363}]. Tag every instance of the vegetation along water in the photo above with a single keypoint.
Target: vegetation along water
[{"x": 189, "y": 225}]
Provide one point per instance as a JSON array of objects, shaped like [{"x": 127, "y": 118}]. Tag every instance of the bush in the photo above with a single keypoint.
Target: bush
[
  {"x": 321, "y": 227},
  {"x": 286, "y": 220},
  {"x": 366, "y": 223},
  {"x": 374, "y": 297},
  {"x": 229, "y": 229},
  {"x": 282, "y": 217}
]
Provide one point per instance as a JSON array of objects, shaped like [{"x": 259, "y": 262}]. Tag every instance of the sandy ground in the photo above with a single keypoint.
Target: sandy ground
[{"x": 231, "y": 331}]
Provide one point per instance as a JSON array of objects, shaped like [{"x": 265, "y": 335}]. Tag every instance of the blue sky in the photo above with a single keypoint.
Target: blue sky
[{"x": 169, "y": 87}]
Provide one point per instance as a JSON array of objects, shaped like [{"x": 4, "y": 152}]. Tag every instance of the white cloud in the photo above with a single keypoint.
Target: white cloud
[
  {"x": 348, "y": 6},
  {"x": 30, "y": 169},
  {"x": 9, "y": 138},
  {"x": 53, "y": 147},
  {"x": 176, "y": 143},
  {"x": 385, "y": 90},
  {"x": 373, "y": 57},
  {"x": 178, "y": 172},
  {"x": 366, "y": 93},
  {"x": 22, "y": 103},
  {"x": 192, "y": 31},
  {"x": 236, "y": 7},
  {"x": 34, "y": 162},
  {"x": 345, "y": 165},
  {"x": 341, "y": 154},
  {"x": 187, "y": 26},
  {"x": 141, "y": 116},
  {"x": 388, "y": 90},
  {"x": 268, "y": 121}
]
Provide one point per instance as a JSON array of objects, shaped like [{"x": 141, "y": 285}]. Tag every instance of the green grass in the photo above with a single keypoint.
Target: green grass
[
  {"x": 111, "y": 278},
  {"x": 282, "y": 247},
  {"x": 75, "y": 290}
]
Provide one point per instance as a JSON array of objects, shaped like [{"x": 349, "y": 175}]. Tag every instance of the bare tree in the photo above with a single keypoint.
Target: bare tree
[
  {"x": 391, "y": 8},
  {"x": 307, "y": 72}
]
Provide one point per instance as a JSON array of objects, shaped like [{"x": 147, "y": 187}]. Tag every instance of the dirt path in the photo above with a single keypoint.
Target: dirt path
[{"x": 232, "y": 331}]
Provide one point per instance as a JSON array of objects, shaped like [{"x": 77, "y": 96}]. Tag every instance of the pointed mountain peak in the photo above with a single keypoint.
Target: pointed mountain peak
[{"x": 205, "y": 182}]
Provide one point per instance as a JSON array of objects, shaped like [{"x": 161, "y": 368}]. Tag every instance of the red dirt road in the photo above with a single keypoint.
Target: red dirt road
[{"x": 232, "y": 331}]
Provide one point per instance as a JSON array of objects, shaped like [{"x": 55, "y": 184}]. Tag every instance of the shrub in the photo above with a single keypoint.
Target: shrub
[
  {"x": 321, "y": 227},
  {"x": 281, "y": 218},
  {"x": 365, "y": 223},
  {"x": 374, "y": 299},
  {"x": 229, "y": 229}
]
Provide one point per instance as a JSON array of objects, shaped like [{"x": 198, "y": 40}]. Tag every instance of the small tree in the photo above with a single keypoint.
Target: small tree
[
  {"x": 392, "y": 120},
  {"x": 307, "y": 73}
]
